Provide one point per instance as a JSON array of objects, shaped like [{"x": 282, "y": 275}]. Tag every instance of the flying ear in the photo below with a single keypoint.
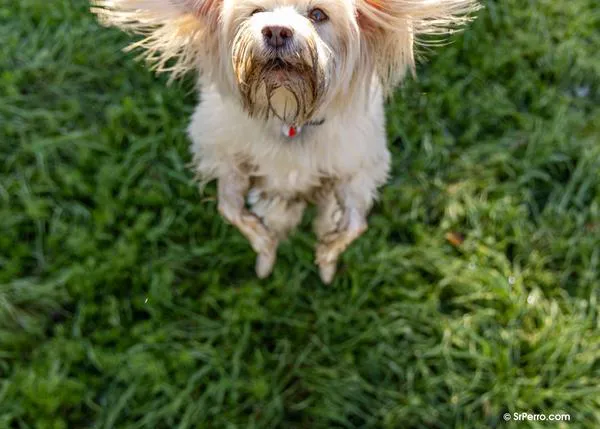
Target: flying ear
[
  {"x": 179, "y": 35},
  {"x": 390, "y": 30}
]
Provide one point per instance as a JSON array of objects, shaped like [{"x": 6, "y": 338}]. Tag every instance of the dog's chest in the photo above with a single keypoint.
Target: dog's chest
[
  {"x": 287, "y": 177},
  {"x": 297, "y": 166}
]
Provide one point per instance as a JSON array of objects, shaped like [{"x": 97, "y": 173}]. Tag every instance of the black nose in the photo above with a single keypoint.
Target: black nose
[{"x": 276, "y": 36}]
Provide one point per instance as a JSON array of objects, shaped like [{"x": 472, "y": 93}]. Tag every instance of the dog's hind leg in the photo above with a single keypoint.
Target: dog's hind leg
[
  {"x": 336, "y": 228},
  {"x": 280, "y": 215},
  {"x": 232, "y": 190},
  {"x": 343, "y": 207}
]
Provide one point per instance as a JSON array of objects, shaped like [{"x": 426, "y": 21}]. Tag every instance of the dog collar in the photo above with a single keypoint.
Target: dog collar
[{"x": 291, "y": 131}]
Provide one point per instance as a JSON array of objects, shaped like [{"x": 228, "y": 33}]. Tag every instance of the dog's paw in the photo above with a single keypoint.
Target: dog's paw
[
  {"x": 261, "y": 240},
  {"x": 327, "y": 272},
  {"x": 332, "y": 245},
  {"x": 265, "y": 262}
]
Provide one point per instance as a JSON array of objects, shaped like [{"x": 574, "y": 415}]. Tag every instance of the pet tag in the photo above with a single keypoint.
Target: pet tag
[{"x": 291, "y": 131}]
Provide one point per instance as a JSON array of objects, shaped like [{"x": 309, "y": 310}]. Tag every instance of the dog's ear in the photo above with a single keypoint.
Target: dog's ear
[
  {"x": 179, "y": 35},
  {"x": 391, "y": 28}
]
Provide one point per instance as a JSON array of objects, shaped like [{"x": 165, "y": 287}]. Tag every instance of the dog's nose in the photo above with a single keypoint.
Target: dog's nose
[{"x": 277, "y": 36}]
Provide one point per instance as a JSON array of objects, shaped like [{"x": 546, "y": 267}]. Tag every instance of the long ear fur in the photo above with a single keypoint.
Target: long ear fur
[
  {"x": 390, "y": 30},
  {"x": 179, "y": 35}
]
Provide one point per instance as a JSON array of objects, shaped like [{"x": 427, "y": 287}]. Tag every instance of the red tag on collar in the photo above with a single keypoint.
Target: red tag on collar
[{"x": 291, "y": 131}]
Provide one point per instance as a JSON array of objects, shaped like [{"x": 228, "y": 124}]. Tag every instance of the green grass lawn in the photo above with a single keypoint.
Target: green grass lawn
[{"x": 126, "y": 301}]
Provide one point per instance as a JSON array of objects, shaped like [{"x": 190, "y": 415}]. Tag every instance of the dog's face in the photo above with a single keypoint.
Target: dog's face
[
  {"x": 288, "y": 58},
  {"x": 285, "y": 58}
]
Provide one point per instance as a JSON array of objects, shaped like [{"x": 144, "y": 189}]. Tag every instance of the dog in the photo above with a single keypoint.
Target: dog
[{"x": 292, "y": 102}]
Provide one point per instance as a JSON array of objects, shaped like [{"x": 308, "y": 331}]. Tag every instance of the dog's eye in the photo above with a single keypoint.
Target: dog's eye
[
  {"x": 257, "y": 10},
  {"x": 317, "y": 15}
]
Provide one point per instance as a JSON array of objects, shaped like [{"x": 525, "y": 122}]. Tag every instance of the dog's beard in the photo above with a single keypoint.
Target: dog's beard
[{"x": 288, "y": 85}]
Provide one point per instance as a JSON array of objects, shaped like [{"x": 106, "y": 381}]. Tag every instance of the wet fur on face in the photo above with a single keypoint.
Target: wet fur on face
[
  {"x": 288, "y": 84},
  {"x": 293, "y": 82}
]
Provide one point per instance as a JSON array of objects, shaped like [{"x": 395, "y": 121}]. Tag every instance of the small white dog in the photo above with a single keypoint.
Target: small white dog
[{"x": 292, "y": 102}]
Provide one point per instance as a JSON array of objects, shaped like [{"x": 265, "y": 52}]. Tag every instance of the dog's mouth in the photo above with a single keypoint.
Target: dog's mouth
[
  {"x": 281, "y": 65},
  {"x": 279, "y": 71},
  {"x": 277, "y": 68},
  {"x": 277, "y": 64}
]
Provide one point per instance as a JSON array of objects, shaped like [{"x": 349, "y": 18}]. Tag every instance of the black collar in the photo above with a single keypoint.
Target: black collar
[
  {"x": 315, "y": 123},
  {"x": 292, "y": 131}
]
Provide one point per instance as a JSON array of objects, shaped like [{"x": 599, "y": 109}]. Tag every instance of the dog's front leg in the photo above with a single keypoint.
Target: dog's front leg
[
  {"x": 232, "y": 190},
  {"x": 341, "y": 219}
]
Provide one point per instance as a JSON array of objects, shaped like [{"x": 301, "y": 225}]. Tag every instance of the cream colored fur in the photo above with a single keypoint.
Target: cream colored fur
[{"x": 337, "y": 71}]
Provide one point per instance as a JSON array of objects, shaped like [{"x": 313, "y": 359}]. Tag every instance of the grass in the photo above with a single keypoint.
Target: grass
[{"x": 126, "y": 302}]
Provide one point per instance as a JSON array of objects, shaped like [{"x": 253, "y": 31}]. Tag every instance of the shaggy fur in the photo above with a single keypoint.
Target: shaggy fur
[{"x": 327, "y": 83}]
